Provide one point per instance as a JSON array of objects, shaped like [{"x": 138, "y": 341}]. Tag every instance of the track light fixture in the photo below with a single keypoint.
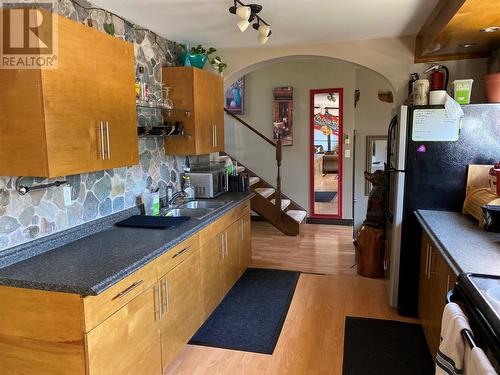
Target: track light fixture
[{"x": 248, "y": 13}]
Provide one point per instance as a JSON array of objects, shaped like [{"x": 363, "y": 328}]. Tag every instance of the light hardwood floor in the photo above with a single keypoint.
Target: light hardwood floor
[{"x": 311, "y": 341}]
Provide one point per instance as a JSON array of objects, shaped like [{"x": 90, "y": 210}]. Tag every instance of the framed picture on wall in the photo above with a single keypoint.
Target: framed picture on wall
[
  {"x": 283, "y": 114},
  {"x": 235, "y": 97}
]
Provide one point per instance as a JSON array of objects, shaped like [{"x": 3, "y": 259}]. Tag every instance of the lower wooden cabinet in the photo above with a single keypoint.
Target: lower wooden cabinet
[
  {"x": 211, "y": 275},
  {"x": 231, "y": 259},
  {"x": 436, "y": 279},
  {"x": 128, "y": 343},
  {"x": 138, "y": 325},
  {"x": 182, "y": 308}
]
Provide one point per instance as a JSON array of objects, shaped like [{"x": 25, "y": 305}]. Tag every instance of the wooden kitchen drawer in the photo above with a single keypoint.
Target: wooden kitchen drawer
[
  {"x": 242, "y": 209},
  {"x": 176, "y": 255},
  {"x": 223, "y": 223},
  {"x": 98, "y": 308}
]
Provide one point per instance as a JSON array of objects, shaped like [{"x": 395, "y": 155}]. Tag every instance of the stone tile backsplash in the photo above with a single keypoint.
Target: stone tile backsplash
[{"x": 94, "y": 195}]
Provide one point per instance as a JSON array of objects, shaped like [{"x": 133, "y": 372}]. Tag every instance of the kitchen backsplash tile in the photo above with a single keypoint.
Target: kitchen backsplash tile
[{"x": 94, "y": 195}]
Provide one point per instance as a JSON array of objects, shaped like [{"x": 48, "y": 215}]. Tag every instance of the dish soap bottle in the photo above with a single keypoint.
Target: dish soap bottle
[{"x": 188, "y": 188}]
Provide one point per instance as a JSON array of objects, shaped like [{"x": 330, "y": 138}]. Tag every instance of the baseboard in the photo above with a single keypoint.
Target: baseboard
[{"x": 316, "y": 220}]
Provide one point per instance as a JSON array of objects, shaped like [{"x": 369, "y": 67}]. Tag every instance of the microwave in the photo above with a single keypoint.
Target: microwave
[{"x": 209, "y": 184}]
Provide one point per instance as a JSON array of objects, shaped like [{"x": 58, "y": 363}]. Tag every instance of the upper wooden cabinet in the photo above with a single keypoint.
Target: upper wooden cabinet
[
  {"x": 453, "y": 31},
  {"x": 201, "y": 92},
  {"x": 79, "y": 117}
]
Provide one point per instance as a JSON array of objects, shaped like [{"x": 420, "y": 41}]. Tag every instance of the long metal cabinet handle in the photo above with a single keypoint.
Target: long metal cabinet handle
[
  {"x": 215, "y": 136},
  {"x": 160, "y": 305},
  {"x": 227, "y": 248},
  {"x": 107, "y": 140},
  {"x": 182, "y": 252},
  {"x": 222, "y": 245},
  {"x": 102, "y": 139},
  {"x": 167, "y": 302},
  {"x": 427, "y": 260},
  {"x": 128, "y": 290},
  {"x": 242, "y": 229},
  {"x": 430, "y": 262}
]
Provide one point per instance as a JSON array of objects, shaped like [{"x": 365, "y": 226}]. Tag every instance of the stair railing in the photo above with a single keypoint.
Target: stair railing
[{"x": 278, "y": 144}]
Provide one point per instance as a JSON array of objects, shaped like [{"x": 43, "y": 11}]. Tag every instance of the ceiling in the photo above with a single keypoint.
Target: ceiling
[{"x": 292, "y": 21}]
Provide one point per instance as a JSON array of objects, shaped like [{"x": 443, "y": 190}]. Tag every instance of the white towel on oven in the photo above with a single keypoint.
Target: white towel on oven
[
  {"x": 476, "y": 363},
  {"x": 451, "y": 353}
]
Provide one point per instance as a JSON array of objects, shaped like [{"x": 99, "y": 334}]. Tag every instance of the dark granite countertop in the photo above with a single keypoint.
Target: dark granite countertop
[
  {"x": 466, "y": 247},
  {"x": 95, "y": 262}
]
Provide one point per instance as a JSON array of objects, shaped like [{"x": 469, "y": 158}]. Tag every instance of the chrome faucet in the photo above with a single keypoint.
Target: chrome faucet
[{"x": 180, "y": 193}]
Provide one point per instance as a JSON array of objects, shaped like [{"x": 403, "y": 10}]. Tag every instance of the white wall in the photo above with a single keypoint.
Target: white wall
[
  {"x": 372, "y": 117},
  {"x": 303, "y": 75}
]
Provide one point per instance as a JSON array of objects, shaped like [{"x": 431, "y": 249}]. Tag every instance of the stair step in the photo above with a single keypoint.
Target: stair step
[
  {"x": 253, "y": 180},
  {"x": 253, "y": 213},
  {"x": 265, "y": 192},
  {"x": 223, "y": 158},
  {"x": 240, "y": 169},
  {"x": 297, "y": 215},
  {"x": 284, "y": 203}
]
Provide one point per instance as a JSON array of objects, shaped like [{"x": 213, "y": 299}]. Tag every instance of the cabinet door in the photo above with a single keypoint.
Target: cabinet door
[
  {"x": 425, "y": 301},
  {"x": 204, "y": 127},
  {"x": 70, "y": 95},
  {"x": 181, "y": 82},
  {"x": 217, "y": 112},
  {"x": 211, "y": 274},
  {"x": 128, "y": 342},
  {"x": 245, "y": 243},
  {"x": 231, "y": 260},
  {"x": 183, "y": 309},
  {"x": 117, "y": 108}
]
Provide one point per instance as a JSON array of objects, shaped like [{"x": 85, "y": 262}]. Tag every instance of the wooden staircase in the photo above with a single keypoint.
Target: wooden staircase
[{"x": 269, "y": 202}]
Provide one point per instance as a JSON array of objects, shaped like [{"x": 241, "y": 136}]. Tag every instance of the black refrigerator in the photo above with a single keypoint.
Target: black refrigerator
[{"x": 427, "y": 160}]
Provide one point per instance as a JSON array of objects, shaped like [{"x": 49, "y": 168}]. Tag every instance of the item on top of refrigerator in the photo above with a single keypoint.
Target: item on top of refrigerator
[
  {"x": 439, "y": 80},
  {"x": 462, "y": 89},
  {"x": 411, "y": 82},
  {"x": 453, "y": 109},
  {"x": 437, "y": 97},
  {"x": 492, "y": 87},
  {"x": 421, "y": 92},
  {"x": 491, "y": 217}
]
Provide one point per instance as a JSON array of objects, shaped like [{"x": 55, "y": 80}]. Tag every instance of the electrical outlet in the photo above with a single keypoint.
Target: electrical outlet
[{"x": 67, "y": 195}]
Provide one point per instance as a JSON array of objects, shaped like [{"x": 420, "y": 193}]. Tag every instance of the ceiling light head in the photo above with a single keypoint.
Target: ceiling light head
[
  {"x": 264, "y": 30},
  {"x": 490, "y": 29},
  {"x": 256, "y": 8},
  {"x": 262, "y": 39},
  {"x": 468, "y": 45},
  {"x": 243, "y": 12},
  {"x": 243, "y": 25}
]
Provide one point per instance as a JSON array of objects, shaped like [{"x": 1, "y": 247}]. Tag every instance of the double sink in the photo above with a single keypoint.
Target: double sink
[{"x": 197, "y": 209}]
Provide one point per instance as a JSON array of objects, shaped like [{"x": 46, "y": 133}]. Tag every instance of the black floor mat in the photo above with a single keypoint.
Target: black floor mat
[
  {"x": 385, "y": 347},
  {"x": 251, "y": 316}
]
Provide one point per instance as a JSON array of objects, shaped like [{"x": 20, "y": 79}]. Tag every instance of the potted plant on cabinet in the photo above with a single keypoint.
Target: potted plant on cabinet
[{"x": 198, "y": 55}]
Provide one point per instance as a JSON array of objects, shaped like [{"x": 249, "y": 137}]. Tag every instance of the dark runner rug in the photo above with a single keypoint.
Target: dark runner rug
[{"x": 252, "y": 314}]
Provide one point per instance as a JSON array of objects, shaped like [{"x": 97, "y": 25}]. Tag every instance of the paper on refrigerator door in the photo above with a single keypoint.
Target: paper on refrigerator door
[{"x": 435, "y": 125}]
